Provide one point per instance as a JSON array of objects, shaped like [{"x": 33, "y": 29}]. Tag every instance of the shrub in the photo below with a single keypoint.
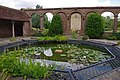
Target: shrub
[
  {"x": 112, "y": 37},
  {"x": 45, "y": 32},
  {"x": 56, "y": 27},
  {"x": 40, "y": 38},
  {"x": 14, "y": 63},
  {"x": 85, "y": 37},
  {"x": 74, "y": 34},
  {"x": 94, "y": 26},
  {"x": 57, "y": 38},
  {"x": 12, "y": 39},
  {"x": 38, "y": 34},
  {"x": 61, "y": 38},
  {"x": 46, "y": 38},
  {"x": 118, "y": 43},
  {"x": 117, "y": 35}
]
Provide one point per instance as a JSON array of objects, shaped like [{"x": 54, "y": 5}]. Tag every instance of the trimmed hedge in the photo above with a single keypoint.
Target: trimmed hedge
[
  {"x": 94, "y": 26},
  {"x": 56, "y": 38}
]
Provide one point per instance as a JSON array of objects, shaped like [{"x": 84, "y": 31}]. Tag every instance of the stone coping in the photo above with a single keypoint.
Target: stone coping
[
  {"x": 112, "y": 75},
  {"x": 62, "y": 65}
]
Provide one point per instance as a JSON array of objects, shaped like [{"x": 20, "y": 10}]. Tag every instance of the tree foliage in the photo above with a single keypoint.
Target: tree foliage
[
  {"x": 94, "y": 26},
  {"x": 36, "y": 18},
  {"x": 118, "y": 24},
  {"x": 108, "y": 23},
  {"x": 38, "y": 6},
  {"x": 56, "y": 27},
  {"x": 35, "y": 21},
  {"x": 46, "y": 22}
]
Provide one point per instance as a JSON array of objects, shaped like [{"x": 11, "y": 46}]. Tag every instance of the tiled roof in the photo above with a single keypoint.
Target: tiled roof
[{"x": 12, "y": 14}]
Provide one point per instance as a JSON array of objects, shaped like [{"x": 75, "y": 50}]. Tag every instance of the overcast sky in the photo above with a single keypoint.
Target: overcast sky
[{"x": 18, "y": 4}]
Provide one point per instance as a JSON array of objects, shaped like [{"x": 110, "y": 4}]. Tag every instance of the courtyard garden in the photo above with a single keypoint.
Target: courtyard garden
[{"x": 29, "y": 62}]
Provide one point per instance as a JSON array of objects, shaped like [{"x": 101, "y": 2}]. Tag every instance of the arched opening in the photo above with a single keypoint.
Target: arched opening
[
  {"x": 108, "y": 18},
  {"x": 118, "y": 25},
  {"x": 76, "y": 22},
  {"x": 36, "y": 21},
  {"x": 47, "y": 19},
  {"x": 90, "y": 13},
  {"x": 64, "y": 23}
]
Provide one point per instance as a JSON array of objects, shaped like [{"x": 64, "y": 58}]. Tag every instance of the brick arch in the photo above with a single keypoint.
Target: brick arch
[
  {"x": 32, "y": 13},
  {"x": 83, "y": 11},
  {"x": 75, "y": 12},
  {"x": 108, "y": 11},
  {"x": 47, "y": 12},
  {"x": 32, "y": 18},
  {"x": 61, "y": 12},
  {"x": 64, "y": 21},
  {"x": 86, "y": 13}
]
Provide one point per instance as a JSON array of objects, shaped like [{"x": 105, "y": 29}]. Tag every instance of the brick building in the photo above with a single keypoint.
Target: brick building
[
  {"x": 13, "y": 23},
  {"x": 18, "y": 22}
]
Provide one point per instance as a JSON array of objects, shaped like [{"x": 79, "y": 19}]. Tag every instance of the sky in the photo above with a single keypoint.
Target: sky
[{"x": 18, "y": 4}]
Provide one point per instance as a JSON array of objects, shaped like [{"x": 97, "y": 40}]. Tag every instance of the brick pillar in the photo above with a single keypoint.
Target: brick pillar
[
  {"x": 30, "y": 22},
  {"x": 13, "y": 29},
  {"x": 115, "y": 23},
  {"x": 41, "y": 22},
  {"x": 83, "y": 20},
  {"x": 27, "y": 29},
  {"x": 68, "y": 25}
]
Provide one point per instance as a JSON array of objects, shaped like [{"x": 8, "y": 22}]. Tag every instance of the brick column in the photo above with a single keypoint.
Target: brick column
[
  {"x": 41, "y": 22},
  {"x": 27, "y": 29},
  {"x": 30, "y": 22},
  {"x": 13, "y": 29},
  {"x": 83, "y": 20},
  {"x": 115, "y": 23},
  {"x": 68, "y": 25}
]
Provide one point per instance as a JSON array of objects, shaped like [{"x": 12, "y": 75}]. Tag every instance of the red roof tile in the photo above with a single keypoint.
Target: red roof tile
[{"x": 12, "y": 14}]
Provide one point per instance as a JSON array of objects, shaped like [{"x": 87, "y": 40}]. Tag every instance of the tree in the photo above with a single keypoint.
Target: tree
[
  {"x": 108, "y": 23},
  {"x": 56, "y": 27},
  {"x": 39, "y": 7},
  {"x": 46, "y": 22},
  {"x": 94, "y": 26}
]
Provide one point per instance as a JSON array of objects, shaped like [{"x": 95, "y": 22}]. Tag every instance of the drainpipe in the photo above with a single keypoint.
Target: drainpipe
[{"x": 13, "y": 29}]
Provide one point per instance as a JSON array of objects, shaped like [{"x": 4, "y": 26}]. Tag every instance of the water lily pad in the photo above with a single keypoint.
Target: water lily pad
[
  {"x": 77, "y": 53},
  {"x": 72, "y": 55},
  {"x": 63, "y": 55},
  {"x": 73, "y": 60}
]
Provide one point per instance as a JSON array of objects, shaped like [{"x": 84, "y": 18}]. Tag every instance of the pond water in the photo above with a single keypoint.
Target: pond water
[{"x": 70, "y": 53}]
